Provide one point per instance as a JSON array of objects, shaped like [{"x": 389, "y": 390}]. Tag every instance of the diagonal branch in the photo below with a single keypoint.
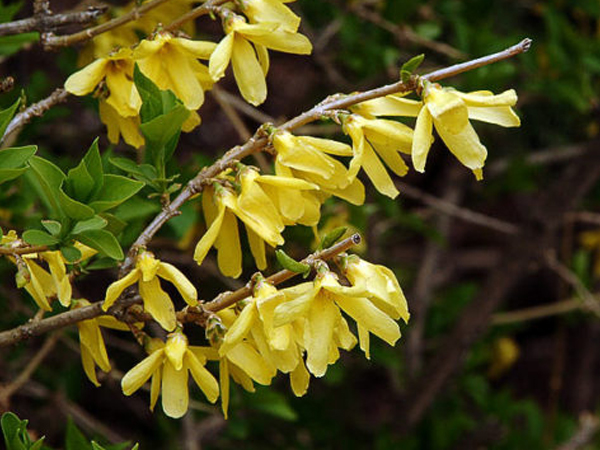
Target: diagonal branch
[{"x": 46, "y": 23}]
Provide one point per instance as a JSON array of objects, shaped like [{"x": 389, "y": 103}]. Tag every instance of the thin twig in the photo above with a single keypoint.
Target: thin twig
[
  {"x": 258, "y": 141},
  {"x": 569, "y": 277},
  {"x": 73, "y": 316},
  {"x": 36, "y": 110},
  {"x": 537, "y": 312},
  {"x": 47, "y": 23},
  {"x": 456, "y": 211},
  {"x": 7, "y": 391},
  {"x": 201, "y": 10},
  {"x": 52, "y": 41},
  {"x": 22, "y": 250}
]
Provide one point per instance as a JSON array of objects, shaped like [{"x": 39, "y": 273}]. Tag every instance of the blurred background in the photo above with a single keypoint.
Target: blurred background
[{"x": 501, "y": 276}]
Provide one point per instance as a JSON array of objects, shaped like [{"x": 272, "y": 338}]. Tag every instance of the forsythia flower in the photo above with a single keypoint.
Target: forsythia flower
[
  {"x": 168, "y": 365},
  {"x": 242, "y": 362},
  {"x": 117, "y": 125},
  {"x": 117, "y": 72},
  {"x": 91, "y": 343},
  {"x": 308, "y": 158},
  {"x": 320, "y": 305},
  {"x": 273, "y": 11},
  {"x": 383, "y": 291},
  {"x": 40, "y": 285},
  {"x": 250, "y": 64},
  {"x": 449, "y": 111},
  {"x": 373, "y": 137},
  {"x": 172, "y": 63},
  {"x": 156, "y": 301},
  {"x": 253, "y": 207}
]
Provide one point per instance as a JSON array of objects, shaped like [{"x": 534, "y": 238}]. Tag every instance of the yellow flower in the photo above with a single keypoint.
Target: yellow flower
[
  {"x": 117, "y": 72},
  {"x": 273, "y": 11},
  {"x": 378, "y": 138},
  {"x": 254, "y": 208},
  {"x": 168, "y": 365},
  {"x": 319, "y": 304},
  {"x": 117, "y": 126},
  {"x": 250, "y": 63},
  {"x": 40, "y": 285},
  {"x": 383, "y": 290},
  {"x": 58, "y": 271},
  {"x": 172, "y": 63},
  {"x": 308, "y": 158},
  {"x": 450, "y": 111},
  {"x": 242, "y": 362},
  {"x": 91, "y": 343},
  {"x": 156, "y": 301}
]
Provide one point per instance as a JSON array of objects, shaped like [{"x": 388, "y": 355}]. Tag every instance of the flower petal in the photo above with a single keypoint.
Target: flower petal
[
  {"x": 139, "y": 374},
  {"x": 203, "y": 378},
  {"x": 229, "y": 256},
  {"x": 370, "y": 317},
  {"x": 86, "y": 80},
  {"x": 257, "y": 248},
  {"x": 422, "y": 139},
  {"x": 464, "y": 145},
  {"x": 175, "y": 396},
  {"x": 209, "y": 238},
  {"x": 249, "y": 360},
  {"x": 187, "y": 290},
  {"x": 299, "y": 379},
  {"x": 240, "y": 328},
  {"x": 116, "y": 289},
  {"x": 158, "y": 303},
  {"x": 220, "y": 57},
  {"x": 248, "y": 73},
  {"x": 322, "y": 318},
  {"x": 377, "y": 173},
  {"x": 498, "y": 115}
]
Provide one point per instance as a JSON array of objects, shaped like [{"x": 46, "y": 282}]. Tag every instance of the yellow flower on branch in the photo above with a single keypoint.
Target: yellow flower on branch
[
  {"x": 117, "y": 72},
  {"x": 253, "y": 207},
  {"x": 169, "y": 366},
  {"x": 172, "y": 63},
  {"x": 91, "y": 343},
  {"x": 245, "y": 46},
  {"x": 157, "y": 302},
  {"x": 117, "y": 125},
  {"x": 373, "y": 139},
  {"x": 449, "y": 111},
  {"x": 308, "y": 158},
  {"x": 273, "y": 11}
]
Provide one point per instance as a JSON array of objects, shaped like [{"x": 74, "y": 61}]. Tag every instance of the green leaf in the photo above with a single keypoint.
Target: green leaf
[
  {"x": 96, "y": 446},
  {"x": 332, "y": 237},
  {"x": 79, "y": 183},
  {"x": 52, "y": 226},
  {"x": 143, "y": 172},
  {"x": 291, "y": 264},
  {"x": 39, "y": 237},
  {"x": 410, "y": 66},
  {"x": 161, "y": 135},
  {"x": 71, "y": 253},
  {"x": 75, "y": 440},
  {"x": 93, "y": 164},
  {"x": 273, "y": 403},
  {"x": 116, "y": 190},
  {"x": 155, "y": 102},
  {"x": 114, "y": 224},
  {"x": 8, "y": 12},
  {"x": 49, "y": 180},
  {"x": 12, "y": 161},
  {"x": 101, "y": 264},
  {"x": 102, "y": 241},
  {"x": 14, "y": 430},
  {"x": 95, "y": 223},
  {"x": 74, "y": 209},
  {"x": 6, "y": 115}
]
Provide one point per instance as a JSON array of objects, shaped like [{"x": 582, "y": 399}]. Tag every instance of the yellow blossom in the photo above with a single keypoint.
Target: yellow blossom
[
  {"x": 378, "y": 138},
  {"x": 117, "y": 126},
  {"x": 273, "y": 11},
  {"x": 308, "y": 158},
  {"x": 117, "y": 72},
  {"x": 383, "y": 291},
  {"x": 58, "y": 271},
  {"x": 168, "y": 365},
  {"x": 449, "y": 111},
  {"x": 156, "y": 301},
  {"x": 254, "y": 208},
  {"x": 172, "y": 63},
  {"x": 40, "y": 285},
  {"x": 91, "y": 343},
  {"x": 251, "y": 61}
]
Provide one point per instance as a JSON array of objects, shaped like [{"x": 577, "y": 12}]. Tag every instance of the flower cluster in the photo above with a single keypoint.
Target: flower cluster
[
  {"x": 172, "y": 63},
  {"x": 296, "y": 331}
]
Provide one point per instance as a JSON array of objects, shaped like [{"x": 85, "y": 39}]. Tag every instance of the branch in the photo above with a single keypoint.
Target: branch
[
  {"x": 45, "y": 23},
  {"x": 258, "y": 141},
  {"x": 67, "y": 318},
  {"x": 22, "y": 250},
  {"x": 589, "y": 425},
  {"x": 52, "y": 42},
  {"x": 201, "y": 10},
  {"x": 36, "y": 110}
]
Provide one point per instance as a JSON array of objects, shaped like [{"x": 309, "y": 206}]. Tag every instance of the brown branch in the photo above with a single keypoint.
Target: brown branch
[
  {"x": 36, "y": 110},
  {"x": 537, "y": 312},
  {"x": 258, "y": 141},
  {"x": 52, "y": 42},
  {"x": 201, "y": 10},
  {"x": 222, "y": 301},
  {"x": 456, "y": 211},
  {"x": 46, "y": 23},
  {"x": 7, "y": 391},
  {"x": 22, "y": 250}
]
